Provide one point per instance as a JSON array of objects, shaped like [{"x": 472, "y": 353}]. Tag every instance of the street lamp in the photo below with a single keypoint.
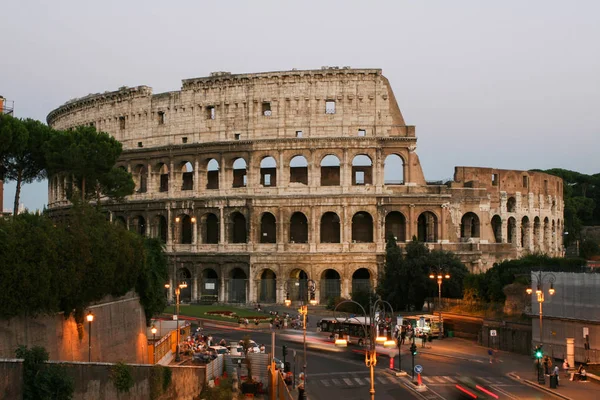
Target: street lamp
[
  {"x": 153, "y": 330},
  {"x": 371, "y": 332},
  {"x": 181, "y": 285},
  {"x": 90, "y": 318},
  {"x": 539, "y": 279},
  {"x": 440, "y": 276},
  {"x": 303, "y": 310}
]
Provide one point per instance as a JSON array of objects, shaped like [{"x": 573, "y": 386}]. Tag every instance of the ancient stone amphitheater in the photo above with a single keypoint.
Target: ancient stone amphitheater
[{"x": 260, "y": 184}]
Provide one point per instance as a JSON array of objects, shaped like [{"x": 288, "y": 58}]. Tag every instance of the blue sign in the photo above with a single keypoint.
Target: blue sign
[{"x": 418, "y": 369}]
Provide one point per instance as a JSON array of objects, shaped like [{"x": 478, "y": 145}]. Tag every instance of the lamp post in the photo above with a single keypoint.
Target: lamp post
[
  {"x": 90, "y": 318},
  {"x": 440, "y": 276},
  {"x": 371, "y": 332},
  {"x": 180, "y": 285},
  {"x": 153, "y": 330},
  {"x": 540, "y": 278}
]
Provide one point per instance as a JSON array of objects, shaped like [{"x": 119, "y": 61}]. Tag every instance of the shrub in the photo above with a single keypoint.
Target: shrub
[{"x": 122, "y": 377}]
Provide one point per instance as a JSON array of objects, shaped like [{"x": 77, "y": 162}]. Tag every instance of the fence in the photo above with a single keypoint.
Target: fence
[
  {"x": 282, "y": 391},
  {"x": 214, "y": 369},
  {"x": 258, "y": 365},
  {"x": 157, "y": 350}
]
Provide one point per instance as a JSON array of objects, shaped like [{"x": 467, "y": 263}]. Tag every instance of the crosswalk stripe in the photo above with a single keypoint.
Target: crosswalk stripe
[
  {"x": 335, "y": 381},
  {"x": 381, "y": 380},
  {"x": 325, "y": 382},
  {"x": 392, "y": 380},
  {"x": 440, "y": 379},
  {"x": 359, "y": 381},
  {"x": 348, "y": 381},
  {"x": 449, "y": 379},
  {"x": 426, "y": 379}
]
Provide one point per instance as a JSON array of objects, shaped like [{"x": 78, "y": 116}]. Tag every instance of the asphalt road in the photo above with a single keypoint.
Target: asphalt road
[{"x": 334, "y": 373}]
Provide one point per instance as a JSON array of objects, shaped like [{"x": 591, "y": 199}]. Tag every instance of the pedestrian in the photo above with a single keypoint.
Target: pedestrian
[
  {"x": 566, "y": 368},
  {"x": 301, "y": 387},
  {"x": 583, "y": 374},
  {"x": 423, "y": 339},
  {"x": 546, "y": 362},
  {"x": 402, "y": 335},
  {"x": 556, "y": 373}
]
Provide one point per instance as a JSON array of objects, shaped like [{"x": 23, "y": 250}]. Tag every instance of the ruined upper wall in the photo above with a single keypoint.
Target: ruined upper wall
[{"x": 330, "y": 102}]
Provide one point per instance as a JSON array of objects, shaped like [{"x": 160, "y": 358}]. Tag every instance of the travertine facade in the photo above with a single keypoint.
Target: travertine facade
[{"x": 258, "y": 182}]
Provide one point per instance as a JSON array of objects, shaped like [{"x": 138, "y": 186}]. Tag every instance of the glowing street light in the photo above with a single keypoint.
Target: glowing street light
[{"x": 90, "y": 319}]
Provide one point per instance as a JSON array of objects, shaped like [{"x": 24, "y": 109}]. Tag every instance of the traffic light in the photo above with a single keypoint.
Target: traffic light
[
  {"x": 539, "y": 352},
  {"x": 413, "y": 349},
  {"x": 284, "y": 350}
]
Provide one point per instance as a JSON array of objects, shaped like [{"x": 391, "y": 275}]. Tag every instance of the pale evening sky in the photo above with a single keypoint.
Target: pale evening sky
[{"x": 512, "y": 84}]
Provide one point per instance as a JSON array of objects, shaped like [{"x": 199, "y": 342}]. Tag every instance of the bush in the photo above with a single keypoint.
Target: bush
[
  {"x": 222, "y": 392},
  {"x": 43, "y": 381},
  {"x": 122, "y": 377}
]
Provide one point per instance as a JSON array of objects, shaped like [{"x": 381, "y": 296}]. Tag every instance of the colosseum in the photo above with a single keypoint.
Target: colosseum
[{"x": 262, "y": 184}]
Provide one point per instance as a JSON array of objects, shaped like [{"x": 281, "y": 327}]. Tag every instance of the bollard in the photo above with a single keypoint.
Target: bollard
[
  {"x": 391, "y": 362},
  {"x": 419, "y": 382}
]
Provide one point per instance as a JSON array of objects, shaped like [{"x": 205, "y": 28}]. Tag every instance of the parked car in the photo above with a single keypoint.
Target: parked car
[
  {"x": 203, "y": 356},
  {"x": 218, "y": 350}
]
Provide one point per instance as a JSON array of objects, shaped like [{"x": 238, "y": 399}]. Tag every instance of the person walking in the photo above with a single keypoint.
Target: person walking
[
  {"x": 402, "y": 335},
  {"x": 301, "y": 387},
  {"x": 566, "y": 368},
  {"x": 556, "y": 373}
]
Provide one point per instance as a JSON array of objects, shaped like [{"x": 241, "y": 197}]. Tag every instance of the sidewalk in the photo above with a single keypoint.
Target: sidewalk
[{"x": 516, "y": 366}]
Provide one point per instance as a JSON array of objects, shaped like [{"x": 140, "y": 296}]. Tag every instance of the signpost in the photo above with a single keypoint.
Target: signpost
[
  {"x": 493, "y": 332},
  {"x": 418, "y": 370}
]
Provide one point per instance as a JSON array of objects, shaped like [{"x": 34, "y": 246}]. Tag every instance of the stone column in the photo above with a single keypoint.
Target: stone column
[
  {"x": 196, "y": 177},
  {"x": 518, "y": 232},
  {"x": 571, "y": 352},
  {"x": 171, "y": 178},
  {"x": 504, "y": 231},
  {"x": 221, "y": 225},
  {"x": 410, "y": 224},
  {"x": 195, "y": 288},
  {"x": 280, "y": 230},
  {"x": 221, "y": 286},
  {"x": 345, "y": 287},
  {"x": 442, "y": 238}
]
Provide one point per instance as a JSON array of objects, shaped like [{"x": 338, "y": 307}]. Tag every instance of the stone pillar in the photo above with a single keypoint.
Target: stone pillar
[
  {"x": 504, "y": 231},
  {"x": 345, "y": 229},
  {"x": 194, "y": 230},
  {"x": 221, "y": 225},
  {"x": 196, "y": 177},
  {"x": 442, "y": 238},
  {"x": 195, "y": 288},
  {"x": 171, "y": 178},
  {"x": 571, "y": 352},
  {"x": 410, "y": 224},
  {"x": 280, "y": 230},
  {"x": 345, "y": 288},
  {"x": 221, "y": 287},
  {"x": 518, "y": 233}
]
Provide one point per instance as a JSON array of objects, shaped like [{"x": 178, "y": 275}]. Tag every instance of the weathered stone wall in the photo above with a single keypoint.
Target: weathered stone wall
[
  {"x": 93, "y": 382},
  {"x": 118, "y": 333}
]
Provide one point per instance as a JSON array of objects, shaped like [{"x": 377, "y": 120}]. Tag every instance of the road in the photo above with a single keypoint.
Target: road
[{"x": 334, "y": 373}]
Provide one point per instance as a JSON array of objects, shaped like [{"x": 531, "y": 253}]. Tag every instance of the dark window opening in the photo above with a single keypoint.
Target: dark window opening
[
  {"x": 212, "y": 175},
  {"x": 330, "y": 107},
  {"x": 497, "y": 228},
  {"x": 469, "y": 226},
  {"x": 330, "y": 286},
  {"x": 162, "y": 228},
  {"x": 211, "y": 112},
  {"x": 395, "y": 225},
  {"x": 268, "y": 172},
  {"x": 138, "y": 226},
  {"x": 121, "y": 123},
  {"x": 268, "y": 229},
  {"x": 330, "y": 228},
  {"x": 186, "y": 230},
  {"x": 164, "y": 182},
  {"x": 237, "y": 136},
  {"x": 511, "y": 233},
  {"x": 140, "y": 144},
  {"x": 494, "y": 179},
  {"x": 184, "y": 140},
  {"x": 427, "y": 227},
  {"x": 362, "y": 228},
  {"x": 299, "y": 134},
  {"x": 211, "y": 234},
  {"x": 525, "y": 181},
  {"x": 238, "y": 233},
  {"x": 188, "y": 181},
  {"x": 161, "y": 117},
  {"x": 142, "y": 179},
  {"x": 511, "y": 204},
  {"x": 266, "y": 109},
  {"x": 298, "y": 228}
]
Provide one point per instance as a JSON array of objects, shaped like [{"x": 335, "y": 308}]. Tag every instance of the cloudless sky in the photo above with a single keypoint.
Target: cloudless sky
[{"x": 512, "y": 84}]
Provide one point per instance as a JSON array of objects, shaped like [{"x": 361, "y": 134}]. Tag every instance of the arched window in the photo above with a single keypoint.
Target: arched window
[
  {"x": 330, "y": 228},
  {"x": 427, "y": 227},
  {"x": 395, "y": 224},
  {"x": 298, "y": 228},
  {"x": 393, "y": 170},
  {"x": 141, "y": 178},
  {"x": 212, "y": 174},
  {"x": 268, "y": 172},
  {"x": 187, "y": 176},
  {"x": 330, "y": 171},
  {"x": 184, "y": 226},
  {"x": 497, "y": 228},
  {"x": 239, "y": 173},
  {"x": 511, "y": 205},
  {"x": 511, "y": 233},
  {"x": 163, "y": 173},
  {"x": 330, "y": 285},
  {"x": 138, "y": 225},
  {"x": 210, "y": 229},
  {"x": 362, "y": 227},
  {"x": 299, "y": 170},
  {"x": 362, "y": 170},
  {"x": 469, "y": 226},
  {"x": 268, "y": 228},
  {"x": 238, "y": 228},
  {"x": 525, "y": 232},
  {"x": 361, "y": 281}
]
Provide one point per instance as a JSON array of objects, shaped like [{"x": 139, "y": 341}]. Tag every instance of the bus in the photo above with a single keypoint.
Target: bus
[
  {"x": 423, "y": 324},
  {"x": 352, "y": 329}
]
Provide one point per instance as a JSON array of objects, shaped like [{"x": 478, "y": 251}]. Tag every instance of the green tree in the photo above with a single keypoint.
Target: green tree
[{"x": 42, "y": 381}]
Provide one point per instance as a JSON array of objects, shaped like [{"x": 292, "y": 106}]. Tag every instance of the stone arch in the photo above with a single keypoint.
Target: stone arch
[
  {"x": 362, "y": 227},
  {"x": 268, "y": 172},
  {"x": 120, "y": 220},
  {"x": 186, "y": 170},
  {"x": 138, "y": 225},
  {"x": 497, "y": 228},
  {"x": 239, "y": 172},
  {"x": 184, "y": 275},
  {"x": 427, "y": 227},
  {"x": 239, "y": 231},
  {"x": 547, "y": 238},
  {"x": 537, "y": 231},
  {"x": 183, "y": 229},
  {"x": 525, "y": 232},
  {"x": 299, "y": 170},
  {"x": 362, "y": 170},
  {"x": 209, "y": 289},
  {"x": 330, "y": 170},
  {"x": 511, "y": 232},
  {"x": 238, "y": 281},
  {"x": 212, "y": 174},
  {"x": 330, "y": 228},
  {"x": 267, "y": 289},
  {"x": 395, "y": 224},
  {"x": 331, "y": 287},
  {"x": 162, "y": 177},
  {"x": 361, "y": 280},
  {"x": 160, "y": 228},
  {"x": 298, "y": 228},
  {"x": 297, "y": 285},
  {"x": 393, "y": 170},
  {"x": 268, "y": 228},
  {"x": 469, "y": 226},
  {"x": 210, "y": 228},
  {"x": 511, "y": 205},
  {"x": 140, "y": 177}
]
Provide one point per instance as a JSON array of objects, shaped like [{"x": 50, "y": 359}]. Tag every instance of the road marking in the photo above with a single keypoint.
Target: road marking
[
  {"x": 325, "y": 382},
  {"x": 381, "y": 380},
  {"x": 510, "y": 396},
  {"x": 335, "y": 381},
  {"x": 484, "y": 380},
  {"x": 340, "y": 373},
  {"x": 439, "y": 379},
  {"x": 348, "y": 381},
  {"x": 449, "y": 379},
  {"x": 426, "y": 379},
  {"x": 359, "y": 381},
  {"x": 392, "y": 380}
]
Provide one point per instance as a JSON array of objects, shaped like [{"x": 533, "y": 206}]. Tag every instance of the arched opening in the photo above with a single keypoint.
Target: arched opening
[
  {"x": 395, "y": 225},
  {"x": 298, "y": 228},
  {"x": 497, "y": 228},
  {"x": 299, "y": 170},
  {"x": 393, "y": 170},
  {"x": 511, "y": 205},
  {"x": 361, "y": 281},
  {"x": 362, "y": 170},
  {"x": 554, "y": 244},
  {"x": 187, "y": 176},
  {"x": 525, "y": 232},
  {"x": 267, "y": 288},
  {"x": 212, "y": 174},
  {"x": 268, "y": 172},
  {"x": 239, "y": 173},
  {"x": 120, "y": 220},
  {"x": 546, "y": 243},
  {"x": 330, "y": 285},
  {"x": 185, "y": 229},
  {"x": 163, "y": 185},
  {"x": 237, "y": 286},
  {"x": 159, "y": 228},
  {"x": 138, "y": 225},
  {"x": 427, "y": 227},
  {"x": 209, "y": 291},
  {"x": 238, "y": 228},
  {"x": 210, "y": 231},
  {"x": 330, "y": 171},
  {"x": 362, "y": 227},
  {"x": 297, "y": 286},
  {"x": 140, "y": 177},
  {"x": 268, "y": 228},
  {"x": 185, "y": 294},
  {"x": 469, "y": 226},
  {"x": 511, "y": 230},
  {"x": 537, "y": 231},
  {"x": 330, "y": 228}
]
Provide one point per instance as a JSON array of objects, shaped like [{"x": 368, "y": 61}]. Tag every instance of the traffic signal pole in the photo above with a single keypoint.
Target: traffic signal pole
[{"x": 413, "y": 352}]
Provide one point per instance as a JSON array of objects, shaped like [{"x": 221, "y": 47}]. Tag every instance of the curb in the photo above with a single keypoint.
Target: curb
[
  {"x": 517, "y": 378},
  {"x": 450, "y": 356}
]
